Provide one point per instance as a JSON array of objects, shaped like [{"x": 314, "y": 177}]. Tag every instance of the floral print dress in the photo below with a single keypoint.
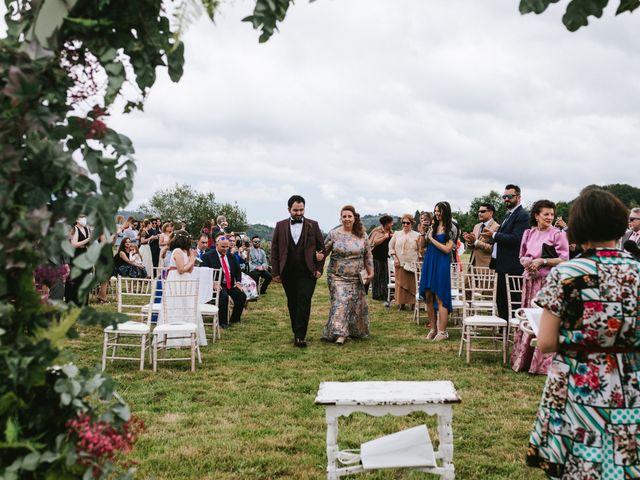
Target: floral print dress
[
  {"x": 349, "y": 314},
  {"x": 588, "y": 422}
]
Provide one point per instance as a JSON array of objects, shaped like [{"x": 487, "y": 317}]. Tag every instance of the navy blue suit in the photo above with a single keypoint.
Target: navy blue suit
[
  {"x": 508, "y": 239},
  {"x": 211, "y": 259}
]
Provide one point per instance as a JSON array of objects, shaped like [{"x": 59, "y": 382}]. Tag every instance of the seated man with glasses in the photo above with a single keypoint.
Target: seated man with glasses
[
  {"x": 258, "y": 264},
  {"x": 630, "y": 241},
  {"x": 480, "y": 250}
]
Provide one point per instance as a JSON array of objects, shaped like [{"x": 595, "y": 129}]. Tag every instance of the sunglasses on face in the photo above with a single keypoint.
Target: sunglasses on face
[
  {"x": 406, "y": 223},
  {"x": 631, "y": 219},
  {"x": 483, "y": 211},
  {"x": 508, "y": 196}
]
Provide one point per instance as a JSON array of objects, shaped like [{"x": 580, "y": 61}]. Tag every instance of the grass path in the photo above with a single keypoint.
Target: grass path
[{"x": 248, "y": 412}]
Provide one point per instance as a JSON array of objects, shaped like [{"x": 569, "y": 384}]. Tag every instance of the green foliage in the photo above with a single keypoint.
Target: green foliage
[
  {"x": 266, "y": 15},
  {"x": 184, "y": 203},
  {"x": 578, "y": 11}
]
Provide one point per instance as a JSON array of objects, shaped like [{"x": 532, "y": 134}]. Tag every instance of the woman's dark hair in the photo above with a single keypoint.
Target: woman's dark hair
[
  {"x": 180, "y": 239},
  {"x": 445, "y": 218},
  {"x": 295, "y": 199},
  {"x": 386, "y": 219},
  {"x": 358, "y": 228},
  {"x": 596, "y": 216},
  {"x": 122, "y": 246},
  {"x": 537, "y": 208}
]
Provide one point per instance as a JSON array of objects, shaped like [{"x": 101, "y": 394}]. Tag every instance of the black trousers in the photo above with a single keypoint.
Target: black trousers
[
  {"x": 257, "y": 274},
  {"x": 502, "y": 300},
  {"x": 299, "y": 287},
  {"x": 239, "y": 299}
]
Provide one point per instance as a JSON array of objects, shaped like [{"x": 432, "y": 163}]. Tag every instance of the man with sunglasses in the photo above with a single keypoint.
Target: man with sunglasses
[
  {"x": 506, "y": 245},
  {"x": 258, "y": 264},
  {"x": 633, "y": 234},
  {"x": 481, "y": 251}
]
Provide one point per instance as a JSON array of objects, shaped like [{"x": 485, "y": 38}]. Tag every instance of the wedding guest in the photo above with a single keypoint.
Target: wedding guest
[
  {"x": 426, "y": 219},
  {"x": 145, "y": 249},
  {"x": 258, "y": 264},
  {"x": 220, "y": 226},
  {"x": 130, "y": 231},
  {"x": 202, "y": 246},
  {"x": 119, "y": 230},
  {"x": 481, "y": 251},
  {"x": 379, "y": 238},
  {"x": 435, "y": 278},
  {"x": 403, "y": 248},
  {"x": 123, "y": 265},
  {"x": 543, "y": 247},
  {"x": 80, "y": 238},
  {"x": 154, "y": 244},
  {"x": 587, "y": 423},
  {"x": 164, "y": 240},
  {"x": 350, "y": 266}
]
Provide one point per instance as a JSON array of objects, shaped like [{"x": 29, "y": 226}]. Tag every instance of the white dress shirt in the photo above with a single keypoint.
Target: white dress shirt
[{"x": 296, "y": 230}]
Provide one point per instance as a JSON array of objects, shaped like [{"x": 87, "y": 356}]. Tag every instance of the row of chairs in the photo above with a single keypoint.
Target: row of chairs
[{"x": 177, "y": 301}]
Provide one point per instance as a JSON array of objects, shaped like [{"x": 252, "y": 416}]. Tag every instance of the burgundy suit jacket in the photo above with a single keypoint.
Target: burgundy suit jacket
[{"x": 311, "y": 239}]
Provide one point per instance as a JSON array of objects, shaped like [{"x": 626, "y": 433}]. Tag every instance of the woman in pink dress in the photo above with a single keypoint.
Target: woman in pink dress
[{"x": 543, "y": 247}]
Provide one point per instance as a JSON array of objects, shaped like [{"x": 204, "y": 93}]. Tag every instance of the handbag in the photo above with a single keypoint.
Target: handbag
[{"x": 548, "y": 251}]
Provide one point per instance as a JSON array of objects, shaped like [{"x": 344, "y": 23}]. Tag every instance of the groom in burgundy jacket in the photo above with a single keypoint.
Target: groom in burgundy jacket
[{"x": 297, "y": 260}]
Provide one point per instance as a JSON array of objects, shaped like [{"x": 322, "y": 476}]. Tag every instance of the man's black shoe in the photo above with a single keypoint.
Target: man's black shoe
[
  {"x": 224, "y": 326},
  {"x": 300, "y": 343}
]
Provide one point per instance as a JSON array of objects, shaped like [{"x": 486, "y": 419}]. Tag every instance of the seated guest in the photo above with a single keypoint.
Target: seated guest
[
  {"x": 258, "y": 265},
  {"x": 630, "y": 241},
  {"x": 202, "y": 246},
  {"x": 124, "y": 266},
  {"x": 230, "y": 284},
  {"x": 249, "y": 285}
]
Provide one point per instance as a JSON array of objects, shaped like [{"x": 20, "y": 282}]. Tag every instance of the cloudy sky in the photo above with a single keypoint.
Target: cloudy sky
[{"x": 393, "y": 105}]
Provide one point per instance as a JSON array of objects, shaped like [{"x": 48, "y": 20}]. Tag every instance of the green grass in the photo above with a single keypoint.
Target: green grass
[{"x": 248, "y": 411}]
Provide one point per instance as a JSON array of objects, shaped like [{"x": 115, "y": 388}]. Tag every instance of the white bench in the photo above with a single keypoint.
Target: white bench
[{"x": 341, "y": 399}]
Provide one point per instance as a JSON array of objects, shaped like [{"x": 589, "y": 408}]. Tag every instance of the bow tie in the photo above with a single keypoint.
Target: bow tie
[{"x": 294, "y": 221}]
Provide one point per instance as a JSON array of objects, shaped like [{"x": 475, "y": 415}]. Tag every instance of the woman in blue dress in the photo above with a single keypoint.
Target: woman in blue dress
[{"x": 435, "y": 278}]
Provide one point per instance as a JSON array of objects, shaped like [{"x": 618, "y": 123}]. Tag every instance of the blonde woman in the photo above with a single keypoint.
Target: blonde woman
[
  {"x": 165, "y": 239},
  {"x": 403, "y": 248}
]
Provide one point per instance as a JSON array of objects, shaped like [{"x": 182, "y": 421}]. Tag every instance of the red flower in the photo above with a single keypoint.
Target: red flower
[
  {"x": 97, "y": 129},
  {"x": 613, "y": 323},
  {"x": 594, "y": 305}
]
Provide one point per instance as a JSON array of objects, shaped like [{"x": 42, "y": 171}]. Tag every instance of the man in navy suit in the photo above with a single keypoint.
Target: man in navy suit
[
  {"x": 230, "y": 285},
  {"x": 506, "y": 245}
]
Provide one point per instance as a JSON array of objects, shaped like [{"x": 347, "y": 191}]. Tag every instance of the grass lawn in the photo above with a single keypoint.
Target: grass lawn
[{"x": 248, "y": 411}]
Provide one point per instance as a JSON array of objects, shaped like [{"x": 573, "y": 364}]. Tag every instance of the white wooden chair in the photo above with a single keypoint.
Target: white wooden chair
[
  {"x": 480, "y": 320},
  {"x": 391, "y": 282},
  {"x": 458, "y": 291},
  {"x": 514, "y": 298},
  {"x": 131, "y": 294},
  {"x": 180, "y": 316},
  {"x": 419, "y": 302},
  {"x": 211, "y": 310}
]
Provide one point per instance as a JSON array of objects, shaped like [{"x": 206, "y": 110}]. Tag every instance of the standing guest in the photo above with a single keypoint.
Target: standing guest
[
  {"x": 543, "y": 247},
  {"x": 207, "y": 230},
  {"x": 481, "y": 251},
  {"x": 231, "y": 282},
  {"x": 350, "y": 267},
  {"x": 258, "y": 264},
  {"x": 297, "y": 260},
  {"x": 220, "y": 226},
  {"x": 435, "y": 278},
  {"x": 130, "y": 231},
  {"x": 506, "y": 245},
  {"x": 202, "y": 246},
  {"x": 119, "y": 230},
  {"x": 80, "y": 238},
  {"x": 164, "y": 239},
  {"x": 587, "y": 423},
  {"x": 145, "y": 249},
  {"x": 426, "y": 219},
  {"x": 154, "y": 243},
  {"x": 403, "y": 248},
  {"x": 379, "y": 239}
]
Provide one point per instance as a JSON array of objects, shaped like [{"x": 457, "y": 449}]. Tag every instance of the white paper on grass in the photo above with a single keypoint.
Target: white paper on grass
[{"x": 407, "y": 448}]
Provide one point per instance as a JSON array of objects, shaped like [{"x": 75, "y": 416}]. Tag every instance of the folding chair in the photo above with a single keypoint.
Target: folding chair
[
  {"x": 457, "y": 291},
  {"x": 514, "y": 298},
  {"x": 416, "y": 274},
  {"x": 180, "y": 317},
  {"x": 211, "y": 309},
  {"x": 391, "y": 283},
  {"x": 480, "y": 320},
  {"x": 131, "y": 294}
]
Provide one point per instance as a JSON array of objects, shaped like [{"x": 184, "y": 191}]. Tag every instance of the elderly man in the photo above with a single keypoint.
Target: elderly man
[
  {"x": 506, "y": 245},
  {"x": 230, "y": 284},
  {"x": 481, "y": 251},
  {"x": 633, "y": 234},
  {"x": 258, "y": 264}
]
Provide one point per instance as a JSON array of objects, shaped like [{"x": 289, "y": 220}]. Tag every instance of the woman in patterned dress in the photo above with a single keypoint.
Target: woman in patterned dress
[
  {"x": 350, "y": 258},
  {"x": 588, "y": 422}
]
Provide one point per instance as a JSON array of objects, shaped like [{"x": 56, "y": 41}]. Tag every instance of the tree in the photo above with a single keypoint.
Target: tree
[
  {"x": 184, "y": 204},
  {"x": 578, "y": 11}
]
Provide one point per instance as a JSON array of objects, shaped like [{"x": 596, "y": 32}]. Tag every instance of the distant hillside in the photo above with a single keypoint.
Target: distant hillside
[{"x": 265, "y": 232}]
